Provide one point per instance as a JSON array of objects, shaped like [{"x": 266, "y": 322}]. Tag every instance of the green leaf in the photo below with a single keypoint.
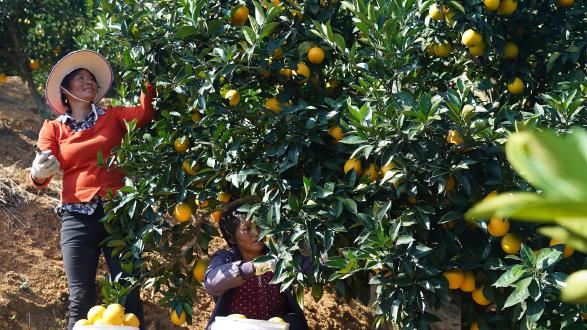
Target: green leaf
[
  {"x": 249, "y": 35},
  {"x": 186, "y": 31},
  {"x": 554, "y": 164},
  {"x": 547, "y": 257},
  {"x": 352, "y": 139},
  {"x": 520, "y": 293},
  {"x": 565, "y": 235},
  {"x": 510, "y": 276}
]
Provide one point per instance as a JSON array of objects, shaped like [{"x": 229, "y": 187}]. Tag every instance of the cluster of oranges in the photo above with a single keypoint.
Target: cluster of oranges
[{"x": 113, "y": 314}]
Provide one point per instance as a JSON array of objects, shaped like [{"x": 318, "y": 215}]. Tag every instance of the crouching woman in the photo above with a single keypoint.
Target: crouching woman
[{"x": 240, "y": 286}]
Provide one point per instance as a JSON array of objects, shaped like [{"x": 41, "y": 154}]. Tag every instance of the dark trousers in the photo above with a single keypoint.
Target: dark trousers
[{"x": 80, "y": 246}]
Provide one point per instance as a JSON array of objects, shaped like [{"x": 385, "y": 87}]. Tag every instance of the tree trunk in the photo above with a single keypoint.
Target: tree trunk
[{"x": 20, "y": 60}]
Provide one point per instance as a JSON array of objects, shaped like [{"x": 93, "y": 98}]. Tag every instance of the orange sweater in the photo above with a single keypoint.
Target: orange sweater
[{"x": 77, "y": 152}]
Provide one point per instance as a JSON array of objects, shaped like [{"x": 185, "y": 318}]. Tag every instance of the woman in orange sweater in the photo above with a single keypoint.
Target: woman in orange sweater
[{"x": 72, "y": 143}]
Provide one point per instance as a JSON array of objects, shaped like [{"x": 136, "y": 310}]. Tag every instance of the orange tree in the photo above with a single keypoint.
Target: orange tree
[
  {"x": 34, "y": 34},
  {"x": 340, "y": 130}
]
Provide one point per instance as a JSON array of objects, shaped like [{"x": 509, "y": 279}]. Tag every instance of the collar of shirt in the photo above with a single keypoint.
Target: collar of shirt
[{"x": 96, "y": 111}]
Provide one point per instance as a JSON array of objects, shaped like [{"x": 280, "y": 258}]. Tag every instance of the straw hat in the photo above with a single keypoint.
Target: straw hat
[{"x": 87, "y": 59}]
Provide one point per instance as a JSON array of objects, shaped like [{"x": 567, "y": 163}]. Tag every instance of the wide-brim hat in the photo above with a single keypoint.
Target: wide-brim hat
[{"x": 86, "y": 59}]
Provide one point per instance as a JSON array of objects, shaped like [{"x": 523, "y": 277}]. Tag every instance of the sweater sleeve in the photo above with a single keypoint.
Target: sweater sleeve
[
  {"x": 143, "y": 113},
  {"x": 47, "y": 141},
  {"x": 223, "y": 274}
]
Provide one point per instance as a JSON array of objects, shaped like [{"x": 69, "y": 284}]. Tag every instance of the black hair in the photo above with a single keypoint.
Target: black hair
[
  {"x": 65, "y": 83},
  {"x": 229, "y": 223}
]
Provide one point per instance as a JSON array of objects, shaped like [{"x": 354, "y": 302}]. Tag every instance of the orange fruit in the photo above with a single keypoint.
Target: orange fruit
[
  {"x": 34, "y": 64},
  {"x": 336, "y": 133},
  {"x": 233, "y": 97},
  {"x": 353, "y": 164},
  {"x": 188, "y": 169},
  {"x": 113, "y": 315},
  {"x": 371, "y": 172},
  {"x": 223, "y": 197},
  {"x": 510, "y": 50},
  {"x": 568, "y": 250},
  {"x": 181, "y": 144},
  {"x": 240, "y": 16},
  {"x": 196, "y": 117},
  {"x": 285, "y": 72},
  {"x": 182, "y": 212},
  {"x": 511, "y": 244},
  {"x": 178, "y": 320},
  {"x": 471, "y": 38},
  {"x": 3, "y": 78},
  {"x": 474, "y": 326},
  {"x": 216, "y": 215},
  {"x": 95, "y": 313},
  {"x": 200, "y": 270},
  {"x": 450, "y": 184},
  {"x": 448, "y": 16},
  {"x": 507, "y": 7},
  {"x": 316, "y": 55},
  {"x": 273, "y": 105},
  {"x": 303, "y": 70},
  {"x": 516, "y": 86},
  {"x": 478, "y": 50},
  {"x": 388, "y": 168},
  {"x": 278, "y": 52},
  {"x": 498, "y": 227},
  {"x": 435, "y": 12},
  {"x": 454, "y": 137},
  {"x": 131, "y": 320},
  {"x": 455, "y": 278},
  {"x": 442, "y": 50},
  {"x": 480, "y": 298},
  {"x": 491, "y": 5},
  {"x": 468, "y": 284},
  {"x": 81, "y": 322},
  {"x": 412, "y": 200},
  {"x": 565, "y": 3}
]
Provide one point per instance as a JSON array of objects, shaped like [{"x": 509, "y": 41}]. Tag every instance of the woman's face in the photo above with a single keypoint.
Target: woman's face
[
  {"x": 246, "y": 238},
  {"x": 83, "y": 85}
]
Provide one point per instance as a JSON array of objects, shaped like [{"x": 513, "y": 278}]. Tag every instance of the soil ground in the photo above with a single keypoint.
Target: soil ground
[{"x": 33, "y": 290}]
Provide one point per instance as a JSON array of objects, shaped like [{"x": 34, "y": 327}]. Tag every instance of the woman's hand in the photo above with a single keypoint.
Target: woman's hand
[
  {"x": 265, "y": 267},
  {"x": 44, "y": 166}
]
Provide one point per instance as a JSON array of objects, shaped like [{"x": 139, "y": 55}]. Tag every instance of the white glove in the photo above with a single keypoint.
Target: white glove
[
  {"x": 265, "y": 266},
  {"x": 44, "y": 165}
]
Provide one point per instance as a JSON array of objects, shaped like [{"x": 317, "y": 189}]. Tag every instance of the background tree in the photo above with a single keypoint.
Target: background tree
[{"x": 36, "y": 33}]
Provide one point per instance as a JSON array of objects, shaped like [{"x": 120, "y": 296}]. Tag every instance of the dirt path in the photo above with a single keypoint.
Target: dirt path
[{"x": 33, "y": 291}]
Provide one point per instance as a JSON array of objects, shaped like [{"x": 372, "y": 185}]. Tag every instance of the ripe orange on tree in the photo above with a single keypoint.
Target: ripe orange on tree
[
  {"x": 510, "y": 50},
  {"x": 507, "y": 7},
  {"x": 371, "y": 172},
  {"x": 240, "y": 16},
  {"x": 34, "y": 64},
  {"x": 304, "y": 70},
  {"x": 567, "y": 251},
  {"x": 336, "y": 133},
  {"x": 455, "y": 278},
  {"x": 316, "y": 55},
  {"x": 181, "y": 144},
  {"x": 223, "y": 197},
  {"x": 182, "y": 212},
  {"x": 353, "y": 164},
  {"x": 474, "y": 326},
  {"x": 188, "y": 168},
  {"x": 273, "y": 105},
  {"x": 468, "y": 284},
  {"x": 435, "y": 12},
  {"x": 387, "y": 168},
  {"x": 565, "y": 3},
  {"x": 516, "y": 86},
  {"x": 200, "y": 270},
  {"x": 471, "y": 38},
  {"x": 196, "y": 117},
  {"x": 442, "y": 50},
  {"x": 233, "y": 97},
  {"x": 480, "y": 298},
  {"x": 478, "y": 50},
  {"x": 498, "y": 227},
  {"x": 450, "y": 184},
  {"x": 202, "y": 204},
  {"x": 491, "y": 5},
  {"x": 511, "y": 244},
  {"x": 216, "y": 215},
  {"x": 454, "y": 137}
]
